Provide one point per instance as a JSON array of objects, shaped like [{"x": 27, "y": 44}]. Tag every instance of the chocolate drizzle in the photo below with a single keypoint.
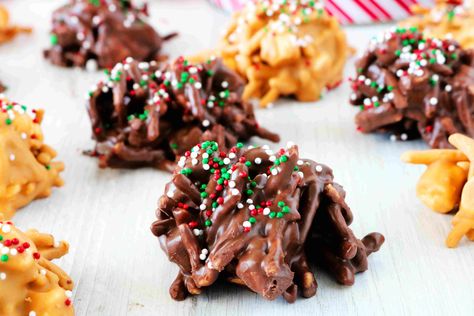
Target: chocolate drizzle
[
  {"x": 257, "y": 219},
  {"x": 413, "y": 86},
  {"x": 105, "y": 31},
  {"x": 145, "y": 114}
]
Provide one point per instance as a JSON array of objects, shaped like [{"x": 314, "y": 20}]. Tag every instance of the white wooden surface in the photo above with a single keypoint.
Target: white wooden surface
[{"x": 115, "y": 261}]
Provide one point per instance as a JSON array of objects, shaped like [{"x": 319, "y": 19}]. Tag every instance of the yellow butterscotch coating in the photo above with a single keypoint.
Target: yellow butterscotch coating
[
  {"x": 441, "y": 184},
  {"x": 30, "y": 284},
  {"x": 26, "y": 163},
  {"x": 7, "y": 31},
  {"x": 292, "y": 48},
  {"x": 445, "y": 20}
]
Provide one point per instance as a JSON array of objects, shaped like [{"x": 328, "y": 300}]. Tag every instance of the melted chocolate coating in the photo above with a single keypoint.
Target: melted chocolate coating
[
  {"x": 413, "y": 86},
  {"x": 147, "y": 115},
  {"x": 107, "y": 31},
  {"x": 257, "y": 219}
]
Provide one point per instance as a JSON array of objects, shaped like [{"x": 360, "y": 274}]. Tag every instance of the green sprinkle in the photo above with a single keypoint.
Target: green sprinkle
[
  {"x": 281, "y": 204},
  {"x": 53, "y": 39},
  {"x": 451, "y": 15},
  {"x": 186, "y": 171},
  {"x": 252, "y": 220},
  {"x": 240, "y": 145},
  {"x": 204, "y": 195},
  {"x": 174, "y": 146},
  {"x": 284, "y": 158},
  {"x": 272, "y": 215},
  {"x": 280, "y": 214},
  {"x": 248, "y": 163},
  {"x": 286, "y": 209},
  {"x": 208, "y": 223},
  {"x": 4, "y": 258},
  {"x": 249, "y": 192},
  {"x": 296, "y": 168},
  {"x": 8, "y": 121}
]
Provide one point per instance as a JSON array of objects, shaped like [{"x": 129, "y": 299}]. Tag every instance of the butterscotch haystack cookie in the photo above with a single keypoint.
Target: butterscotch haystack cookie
[
  {"x": 285, "y": 48},
  {"x": 7, "y": 31},
  {"x": 26, "y": 163},
  {"x": 147, "y": 114},
  {"x": 410, "y": 85},
  {"x": 30, "y": 284},
  {"x": 450, "y": 19},
  {"x": 448, "y": 184},
  {"x": 258, "y": 219}
]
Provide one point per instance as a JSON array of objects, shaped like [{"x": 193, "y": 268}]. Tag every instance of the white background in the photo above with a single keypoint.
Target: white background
[{"x": 115, "y": 261}]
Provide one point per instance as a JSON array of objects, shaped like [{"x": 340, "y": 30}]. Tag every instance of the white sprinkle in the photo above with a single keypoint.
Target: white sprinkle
[
  {"x": 232, "y": 184},
  {"x": 258, "y": 160},
  {"x": 404, "y": 137},
  {"x": 206, "y": 123},
  {"x": 205, "y": 251},
  {"x": 202, "y": 207},
  {"x": 194, "y": 162},
  {"x": 247, "y": 224},
  {"x": 170, "y": 194},
  {"x": 249, "y": 201},
  {"x": 202, "y": 257},
  {"x": 240, "y": 206},
  {"x": 205, "y": 167},
  {"x": 393, "y": 138},
  {"x": 32, "y": 313},
  {"x": 274, "y": 171},
  {"x": 266, "y": 211},
  {"x": 433, "y": 101},
  {"x": 43, "y": 272},
  {"x": 198, "y": 85},
  {"x": 24, "y": 136},
  {"x": 91, "y": 65},
  {"x": 319, "y": 168},
  {"x": 301, "y": 174},
  {"x": 13, "y": 251},
  {"x": 448, "y": 88},
  {"x": 6, "y": 228},
  {"x": 232, "y": 155},
  {"x": 210, "y": 265},
  {"x": 252, "y": 207},
  {"x": 224, "y": 84},
  {"x": 196, "y": 232},
  {"x": 3, "y": 276},
  {"x": 235, "y": 192},
  {"x": 226, "y": 161},
  {"x": 272, "y": 158},
  {"x": 12, "y": 157}
]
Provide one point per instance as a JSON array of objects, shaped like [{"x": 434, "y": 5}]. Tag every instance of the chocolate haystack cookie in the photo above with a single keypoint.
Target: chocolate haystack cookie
[
  {"x": 145, "y": 114},
  {"x": 257, "y": 219},
  {"x": 409, "y": 85},
  {"x": 101, "y": 32}
]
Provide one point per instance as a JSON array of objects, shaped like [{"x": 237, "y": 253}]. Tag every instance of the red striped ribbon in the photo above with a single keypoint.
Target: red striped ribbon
[{"x": 352, "y": 11}]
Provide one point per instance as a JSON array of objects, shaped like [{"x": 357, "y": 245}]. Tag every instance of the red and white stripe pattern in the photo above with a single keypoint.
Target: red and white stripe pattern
[{"x": 352, "y": 11}]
